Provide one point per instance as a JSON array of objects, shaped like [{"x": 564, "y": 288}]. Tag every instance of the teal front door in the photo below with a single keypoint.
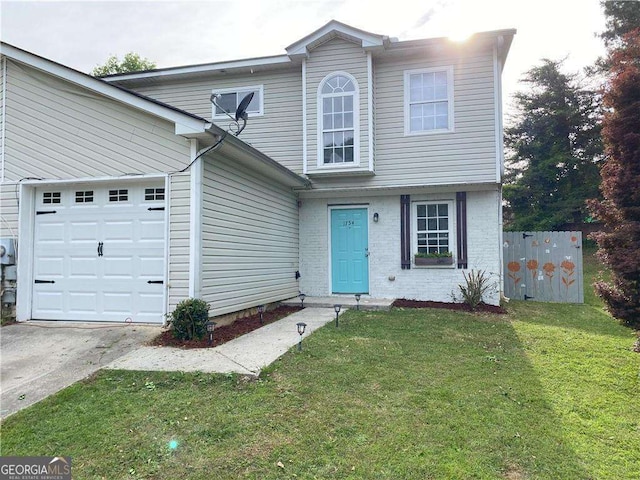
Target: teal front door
[{"x": 349, "y": 250}]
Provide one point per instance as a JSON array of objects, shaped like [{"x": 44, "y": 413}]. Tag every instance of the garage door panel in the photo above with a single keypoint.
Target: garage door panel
[
  {"x": 152, "y": 231},
  {"x": 83, "y": 267},
  {"x": 101, "y": 255},
  {"x": 52, "y": 232},
  {"x": 119, "y": 231},
  {"x": 49, "y": 303},
  {"x": 82, "y": 303},
  {"x": 146, "y": 305},
  {"x": 83, "y": 232},
  {"x": 118, "y": 303},
  {"x": 49, "y": 267},
  {"x": 151, "y": 267},
  {"x": 121, "y": 267}
]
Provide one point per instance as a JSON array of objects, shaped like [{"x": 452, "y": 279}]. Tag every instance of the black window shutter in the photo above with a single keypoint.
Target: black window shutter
[
  {"x": 461, "y": 231},
  {"x": 405, "y": 232}
]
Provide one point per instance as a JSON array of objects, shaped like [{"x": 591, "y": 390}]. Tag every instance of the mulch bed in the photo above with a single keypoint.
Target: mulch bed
[
  {"x": 227, "y": 332},
  {"x": 463, "y": 307}
]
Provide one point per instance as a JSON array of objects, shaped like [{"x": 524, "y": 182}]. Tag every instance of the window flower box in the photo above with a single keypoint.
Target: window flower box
[{"x": 431, "y": 260}]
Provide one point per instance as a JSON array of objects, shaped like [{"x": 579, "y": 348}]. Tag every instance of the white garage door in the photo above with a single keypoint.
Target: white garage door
[{"x": 99, "y": 253}]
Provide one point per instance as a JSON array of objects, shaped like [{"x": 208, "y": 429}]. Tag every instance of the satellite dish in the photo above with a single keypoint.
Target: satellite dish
[{"x": 241, "y": 112}]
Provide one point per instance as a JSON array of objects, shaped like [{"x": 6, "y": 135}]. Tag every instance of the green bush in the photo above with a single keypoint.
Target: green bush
[
  {"x": 476, "y": 285},
  {"x": 189, "y": 319}
]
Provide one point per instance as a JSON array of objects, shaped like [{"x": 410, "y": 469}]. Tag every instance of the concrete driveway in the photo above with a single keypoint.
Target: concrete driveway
[{"x": 37, "y": 359}]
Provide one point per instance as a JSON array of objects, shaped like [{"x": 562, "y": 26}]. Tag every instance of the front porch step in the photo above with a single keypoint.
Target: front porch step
[{"x": 347, "y": 301}]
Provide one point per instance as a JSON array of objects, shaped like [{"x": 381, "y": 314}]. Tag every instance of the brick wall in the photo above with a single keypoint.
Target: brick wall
[{"x": 386, "y": 278}]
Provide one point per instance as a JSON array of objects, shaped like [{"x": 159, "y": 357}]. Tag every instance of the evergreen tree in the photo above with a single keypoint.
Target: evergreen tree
[
  {"x": 553, "y": 151},
  {"x": 622, "y": 17},
  {"x": 619, "y": 245},
  {"x": 132, "y": 62}
]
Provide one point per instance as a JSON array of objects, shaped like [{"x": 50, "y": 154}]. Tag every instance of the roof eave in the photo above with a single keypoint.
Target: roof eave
[
  {"x": 185, "y": 123},
  {"x": 241, "y": 151}
]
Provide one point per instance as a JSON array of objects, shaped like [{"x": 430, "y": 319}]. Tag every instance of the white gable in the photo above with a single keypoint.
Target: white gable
[{"x": 335, "y": 29}]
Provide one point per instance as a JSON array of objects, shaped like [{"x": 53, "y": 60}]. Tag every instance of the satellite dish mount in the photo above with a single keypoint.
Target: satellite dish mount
[{"x": 241, "y": 112}]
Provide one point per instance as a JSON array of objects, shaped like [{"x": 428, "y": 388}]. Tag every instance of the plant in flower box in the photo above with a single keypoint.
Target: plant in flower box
[{"x": 433, "y": 258}]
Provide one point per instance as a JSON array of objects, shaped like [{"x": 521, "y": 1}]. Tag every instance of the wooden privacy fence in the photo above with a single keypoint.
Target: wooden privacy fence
[{"x": 543, "y": 266}]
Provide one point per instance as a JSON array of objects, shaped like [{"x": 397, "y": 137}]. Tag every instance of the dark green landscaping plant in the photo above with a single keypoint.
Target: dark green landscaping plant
[
  {"x": 189, "y": 319},
  {"x": 476, "y": 285},
  {"x": 433, "y": 255}
]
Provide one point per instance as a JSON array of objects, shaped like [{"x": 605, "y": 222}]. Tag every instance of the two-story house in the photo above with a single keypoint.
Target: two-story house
[{"x": 360, "y": 152}]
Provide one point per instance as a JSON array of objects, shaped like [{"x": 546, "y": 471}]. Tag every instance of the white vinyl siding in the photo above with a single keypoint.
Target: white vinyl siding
[
  {"x": 179, "y": 224},
  {"x": 336, "y": 55},
  {"x": 249, "y": 238},
  {"x": 8, "y": 210},
  {"x": 58, "y": 130},
  {"x": 277, "y": 133},
  {"x": 466, "y": 155}
]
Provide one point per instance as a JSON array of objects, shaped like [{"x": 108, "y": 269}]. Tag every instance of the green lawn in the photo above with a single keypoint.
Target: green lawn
[{"x": 546, "y": 392}]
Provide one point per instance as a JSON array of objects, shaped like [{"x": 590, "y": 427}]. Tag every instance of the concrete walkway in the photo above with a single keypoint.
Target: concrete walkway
[
  {"x": 345, "y": 301},
  {"x": 246, "y": 355}
]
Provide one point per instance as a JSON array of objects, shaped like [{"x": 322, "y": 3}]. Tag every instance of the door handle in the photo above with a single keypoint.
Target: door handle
[
  {"x": 366, "y": 251},
  {"x": 100, "y": 249}
]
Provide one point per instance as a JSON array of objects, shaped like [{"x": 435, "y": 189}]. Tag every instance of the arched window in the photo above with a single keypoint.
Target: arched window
[{"x": 338, "y": 120}]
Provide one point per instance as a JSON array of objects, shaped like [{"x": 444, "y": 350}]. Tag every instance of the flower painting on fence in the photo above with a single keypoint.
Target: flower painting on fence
[
  {"x": 514, "y": 268},
  {"x": 568, "y": 269},
  {"x": 543, "y": 266}
]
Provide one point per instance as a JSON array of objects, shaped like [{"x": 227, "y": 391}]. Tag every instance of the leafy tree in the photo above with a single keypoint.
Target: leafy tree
[
  {"x": 553, "y": 151},
  {"x": 619, "y": 245},
  {"x": 132, "y": 62},
  {"x": 622, "y": 17}
]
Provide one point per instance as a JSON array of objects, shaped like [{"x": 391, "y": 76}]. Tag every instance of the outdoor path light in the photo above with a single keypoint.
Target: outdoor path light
[
  {"x": 210, "y": 326},
  {"x": 261, "y": 311},
  {"x": 337, "y": 308},
  {"x": 302, "y": 297},
  {"x": 301, "y": 326},
  {"x": 358, "y": 301}
]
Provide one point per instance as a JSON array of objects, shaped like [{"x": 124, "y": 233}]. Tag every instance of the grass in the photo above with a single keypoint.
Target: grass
[{"x": 546, "y": 392}]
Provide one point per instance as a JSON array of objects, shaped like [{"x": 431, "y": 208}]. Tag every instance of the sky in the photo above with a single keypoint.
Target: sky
[{"x": 83, "y": 34}]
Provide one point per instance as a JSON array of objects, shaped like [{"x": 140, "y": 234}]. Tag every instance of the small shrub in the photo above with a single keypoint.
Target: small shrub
[
  {"x": 476, "y": 285},
  {"x": 189, "y": 319}
]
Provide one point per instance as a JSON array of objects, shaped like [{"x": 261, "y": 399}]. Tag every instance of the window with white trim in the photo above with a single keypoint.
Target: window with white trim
[
  {"x": 230, "y": 98},
  {"x": 428, "y": 100},
  {"x": 433, "y": 223},
  {"x": 338, "y": 120}
]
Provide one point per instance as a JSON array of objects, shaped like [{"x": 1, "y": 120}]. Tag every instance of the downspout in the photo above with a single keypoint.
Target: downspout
[
  {"x": 304, "y": 116},
  {"x": 497, "y": 72}
]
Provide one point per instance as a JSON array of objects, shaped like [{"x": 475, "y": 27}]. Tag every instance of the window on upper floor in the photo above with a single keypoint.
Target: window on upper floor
[
  {"x": 428, "y": 100},
  {"x": 338, "y": 121},
  {"x": 230, "y": 98},
  {"x": 433, "y": 227}
]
